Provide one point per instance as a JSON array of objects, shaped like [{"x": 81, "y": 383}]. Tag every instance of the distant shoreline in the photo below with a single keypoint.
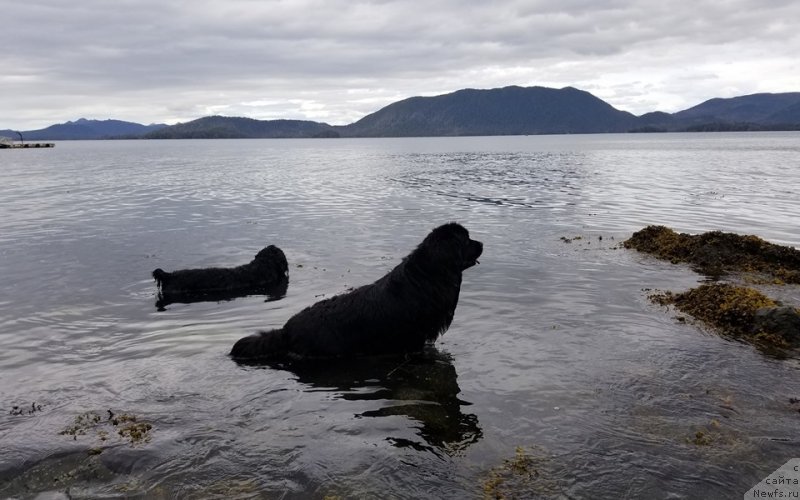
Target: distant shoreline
[
  {"x": 504, "y": 111},
  {"x": 669, "y": 133}
]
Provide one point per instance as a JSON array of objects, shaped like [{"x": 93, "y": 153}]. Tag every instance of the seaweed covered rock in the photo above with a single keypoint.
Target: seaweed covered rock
[
  {"x": 717, "y": 253},
  {"x": 739, "y": 312}
]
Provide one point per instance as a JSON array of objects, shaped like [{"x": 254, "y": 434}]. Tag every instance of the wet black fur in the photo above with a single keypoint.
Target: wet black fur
[
  {"x": 399, "y": 313},
  {"x": 267, "y": 271}
]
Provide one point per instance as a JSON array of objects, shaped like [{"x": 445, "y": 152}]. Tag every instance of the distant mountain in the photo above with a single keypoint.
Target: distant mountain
[
  {"x": 504, "y": 111},
  {"x": 761, "y": 109},
  {"x": 753, "y": 112},
  {"x": 85, "y": 129},
  {"x": 657, "y": 121},
  {"x": 541, "y": 110},
  {"x": 221, "y": 127}
]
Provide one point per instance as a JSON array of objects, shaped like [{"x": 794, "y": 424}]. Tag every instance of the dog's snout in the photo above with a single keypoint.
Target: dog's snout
[{"x": 478, "y": 247}]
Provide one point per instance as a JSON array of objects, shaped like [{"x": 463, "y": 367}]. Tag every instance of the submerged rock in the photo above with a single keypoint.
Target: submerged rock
[
  {"x": 783, "y": 321},
  {"x": 716, "y": 253}
]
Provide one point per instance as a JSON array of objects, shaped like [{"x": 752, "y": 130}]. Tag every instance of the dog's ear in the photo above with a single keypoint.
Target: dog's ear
[
  {"x": 451, "y": 231},
  {"x": 270, "y": 253},
  {"x": 160, "y": 275},
  {"x": 444, "y": 249},
  {"x": 265, "y": 253},
  {"x": 271, "y": 259},
  {"x": 453, "y": 248}
]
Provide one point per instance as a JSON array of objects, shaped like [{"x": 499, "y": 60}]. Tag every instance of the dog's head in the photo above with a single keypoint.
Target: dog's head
[
  {"x": 450, "y": 247},
  {"x": 272, "y": 258}
]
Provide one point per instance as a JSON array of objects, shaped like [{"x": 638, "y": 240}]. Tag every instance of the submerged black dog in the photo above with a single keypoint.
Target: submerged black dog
[
  {"x": 399, "y": 313},
  {"x": 268, "y": 271}
]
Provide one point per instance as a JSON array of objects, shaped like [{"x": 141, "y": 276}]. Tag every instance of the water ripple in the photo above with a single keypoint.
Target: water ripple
[{"x": 554, "y": 346}]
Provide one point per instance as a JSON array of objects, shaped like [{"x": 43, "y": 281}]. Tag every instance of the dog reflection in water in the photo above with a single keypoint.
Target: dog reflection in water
[
  {"x": 422, "y": 387},
  {"x": 379, "y": 337}
]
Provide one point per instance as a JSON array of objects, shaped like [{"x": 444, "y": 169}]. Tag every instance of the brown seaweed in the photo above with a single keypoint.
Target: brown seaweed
[
  {"x": 736, "y": 311},
  {"x": 717, "y": 254}
]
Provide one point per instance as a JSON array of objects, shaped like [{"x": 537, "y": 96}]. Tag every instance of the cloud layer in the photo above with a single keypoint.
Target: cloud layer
[{"x": 338, "y": 60}]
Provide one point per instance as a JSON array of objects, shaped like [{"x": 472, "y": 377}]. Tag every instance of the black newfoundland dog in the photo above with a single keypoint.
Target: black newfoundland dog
[
  {"x": 266, "y": 273},
  {"x": 399, "y": 313}
]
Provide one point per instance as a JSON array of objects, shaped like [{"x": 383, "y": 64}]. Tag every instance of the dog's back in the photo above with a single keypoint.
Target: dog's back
[
  {"x": 199, "y": 280},
  {"x": 268, "y": 269}
]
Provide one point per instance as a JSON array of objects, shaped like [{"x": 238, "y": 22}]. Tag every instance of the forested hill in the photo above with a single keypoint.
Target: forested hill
[
  {"x": 505, "y": 111},
  {"x": 221, "y": 127},
  {"x": 749, "y": 112},
  {"x": 85, "y": 129},
  {"x": 513, "y": 111}
]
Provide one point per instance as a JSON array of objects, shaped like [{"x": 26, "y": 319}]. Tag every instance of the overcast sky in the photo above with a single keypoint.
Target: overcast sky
[{"x": 164, "y": 61}]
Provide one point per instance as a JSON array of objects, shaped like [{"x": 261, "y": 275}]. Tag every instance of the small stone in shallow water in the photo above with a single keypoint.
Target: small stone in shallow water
[{"x": 783, "y": 321}]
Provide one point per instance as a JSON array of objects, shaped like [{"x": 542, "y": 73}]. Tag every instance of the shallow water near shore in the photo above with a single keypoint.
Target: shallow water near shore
[{"x": 554, "y": 348}]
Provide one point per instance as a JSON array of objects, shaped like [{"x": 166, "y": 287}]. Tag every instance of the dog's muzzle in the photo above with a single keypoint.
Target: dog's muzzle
[{"x": 475, "y": 250}]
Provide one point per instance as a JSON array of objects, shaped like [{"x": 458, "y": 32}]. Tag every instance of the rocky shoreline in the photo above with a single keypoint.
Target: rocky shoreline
[{"x": 734, "y": 310}]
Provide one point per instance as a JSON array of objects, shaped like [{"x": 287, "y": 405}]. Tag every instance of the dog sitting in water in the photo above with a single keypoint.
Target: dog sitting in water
[
  {"x": 267, "y": 272},
  {"x": 399, "y": 313}
]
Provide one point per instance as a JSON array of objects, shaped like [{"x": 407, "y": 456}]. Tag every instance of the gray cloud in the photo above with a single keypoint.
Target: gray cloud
[{"x": 338, "y": 60}]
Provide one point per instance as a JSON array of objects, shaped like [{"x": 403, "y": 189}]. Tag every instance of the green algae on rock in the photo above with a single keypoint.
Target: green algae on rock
[
  {"x": 740, "y": 312},
  {"x": 717, "y": 253}
]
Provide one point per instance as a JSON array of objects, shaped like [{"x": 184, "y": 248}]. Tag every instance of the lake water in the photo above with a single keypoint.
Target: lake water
[{"x": 555, "y": 348}]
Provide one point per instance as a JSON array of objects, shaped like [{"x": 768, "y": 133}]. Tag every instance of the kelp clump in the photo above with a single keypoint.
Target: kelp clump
[
  {"x": 524, "y": 476},
  {"x": 717, "y": 253},
  {"x": 127, "y": 426},
  {"x": 736, "y": 311},
  {"x": 739, "y": 312}
]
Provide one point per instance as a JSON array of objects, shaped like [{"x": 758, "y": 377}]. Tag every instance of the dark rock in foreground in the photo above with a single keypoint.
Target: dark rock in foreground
[{"x": 783, "y": 321}]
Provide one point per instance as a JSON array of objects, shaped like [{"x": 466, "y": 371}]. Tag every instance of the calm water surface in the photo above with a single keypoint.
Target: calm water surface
[{"x": 554, "y": 347}]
